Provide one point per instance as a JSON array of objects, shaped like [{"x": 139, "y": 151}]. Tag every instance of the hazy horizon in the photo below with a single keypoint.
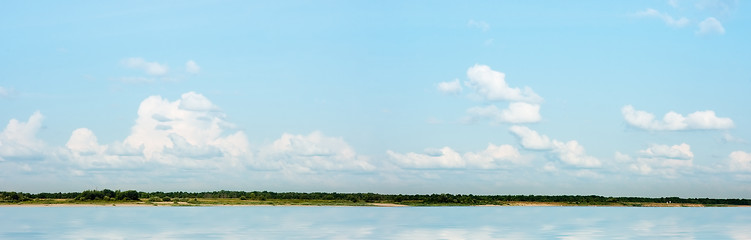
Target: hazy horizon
[{"x": 637, "y": 98}]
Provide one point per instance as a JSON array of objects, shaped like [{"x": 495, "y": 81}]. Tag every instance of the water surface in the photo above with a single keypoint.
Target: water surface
[{"x": 260, "y": 222}]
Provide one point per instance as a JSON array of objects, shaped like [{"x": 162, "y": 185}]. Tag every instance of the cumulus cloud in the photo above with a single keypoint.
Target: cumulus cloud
[
  {"x": 151, "y": 68},
  {"x": 84, "y": 151},
  {"x": 740, "y": 161},
  {"x": 491, "y": 85},
  {"x": 193, "y": 102},
  {"x": 663, "y": 160},
  {"x": 517, "y": 112},
  {"x": 83, "y": 141},
  {"x": 434, "y": 158},
  {"x": 315, "y": 151},
  {"x": 682, "y": 151},
  {"x": 669, "y": 20},
  {"x": 189, "y": 132},
  {"x": 453, "y": 87},
  {"x": 530, "y": 139},
  {"x": 192, "y": 67},
  {"x": 492, "y": 157},
  {"x": 520, "y": 112},
  {"x": 184, "y": 149},
  {"x": 710, "y": 26},
  {"x": 183, "y": 134},
  {"x": 571, "y": 152},
  {"x": 190, "y": 127},
  {"x": 18, "y": 140},
  {"x": 482, "y": 25},
  {"x": 674, "y": 121}
]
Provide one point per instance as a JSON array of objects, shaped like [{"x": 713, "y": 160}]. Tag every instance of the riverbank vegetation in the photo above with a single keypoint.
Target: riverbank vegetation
[{"x": 106, "y": 197}]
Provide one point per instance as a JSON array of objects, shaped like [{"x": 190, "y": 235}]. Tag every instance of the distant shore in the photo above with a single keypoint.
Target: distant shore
[
  {"x": 215, "y": 203},
  {"x": 135, "y": 198}
]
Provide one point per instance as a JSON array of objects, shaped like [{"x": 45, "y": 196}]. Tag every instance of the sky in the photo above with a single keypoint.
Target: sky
[{"x": 632, "y": 98}]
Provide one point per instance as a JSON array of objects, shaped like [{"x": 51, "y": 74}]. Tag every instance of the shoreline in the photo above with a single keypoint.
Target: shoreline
[{"x": 387, "y": 205}]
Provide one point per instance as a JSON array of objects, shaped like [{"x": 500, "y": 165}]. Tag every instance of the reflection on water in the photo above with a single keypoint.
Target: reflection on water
[{"x": 373, "y": 223}]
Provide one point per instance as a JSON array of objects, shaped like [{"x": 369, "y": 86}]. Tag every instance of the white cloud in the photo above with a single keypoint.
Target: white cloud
[
  {"x": 84, "y": 150},
  {"x": 189, "y": 127},
  {"x": 673, "y": 121},
  {"x": 18, "y": 139},
  {"x": 669, "y": 20},
  {"x": 493, "y": 155},
  {"x": 301, "y": 153},
  {"x": 184, "y": 149},
  {"x": 440, "y": 158},
  {"x": 491, "y": 85},
  {"x": 663, "y": 160},
  {"x": 682, "y": 151},
  {"x": 192, "y": 67},
  {"x": 517, "y": 112},
  {"x": 491, "y": 158},
  {"x": 622, "y": 157},
  {"x": 482, "y": 25},
  {"x": 570, "y": 152},
  {"x": 195, "y": 102},
  {"x": 520, "y": 112},
  {"x": 710, "y": 26},
  {"x": 530, "y": 139},
  {"x": 452, "y": 87},
  {"x": 151, "y": 68},
  {"x": 573, "y": 154},
  {"x": 187, "y": 133},
  {"x": 740, "y": 161},
  {"x": 84, "y": 141}
]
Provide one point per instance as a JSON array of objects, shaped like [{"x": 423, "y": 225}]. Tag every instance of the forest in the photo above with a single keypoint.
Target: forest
[{"x": 406, "y": 199}]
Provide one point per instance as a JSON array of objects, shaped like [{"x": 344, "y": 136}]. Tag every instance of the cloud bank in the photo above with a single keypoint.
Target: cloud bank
[
  {"x": 492, "y": 157},
  {"x": 672, "y": 121},
  {"x": 168, "y": 137}
]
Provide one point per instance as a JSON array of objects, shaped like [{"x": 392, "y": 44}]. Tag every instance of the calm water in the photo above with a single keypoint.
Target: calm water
[{"x": 373, "y": 223}]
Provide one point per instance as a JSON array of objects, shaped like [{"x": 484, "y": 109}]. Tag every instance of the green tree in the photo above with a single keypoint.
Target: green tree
[
  {"x": 128, "y": 195},
  {"x": 108, "y": 193},
  {"x": 91, "y": 195}
]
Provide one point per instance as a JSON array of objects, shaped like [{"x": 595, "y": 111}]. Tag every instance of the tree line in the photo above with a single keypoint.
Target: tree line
[{"x": 445, "y": 198}]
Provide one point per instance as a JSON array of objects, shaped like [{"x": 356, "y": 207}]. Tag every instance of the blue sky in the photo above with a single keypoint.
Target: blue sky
[{"x": 637, "y": 98}]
